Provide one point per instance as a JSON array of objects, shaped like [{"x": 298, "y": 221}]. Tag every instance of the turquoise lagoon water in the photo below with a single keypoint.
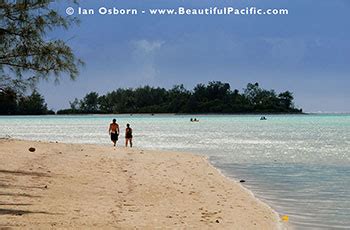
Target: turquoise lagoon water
[{"x": 298, "y": 164}]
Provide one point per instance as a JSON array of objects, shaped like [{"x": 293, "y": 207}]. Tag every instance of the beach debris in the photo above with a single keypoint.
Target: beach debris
[
  {"x": 31, "y": 149},
  {"x": 242, "y": 181},
  {"x": 45, "y": 186},
  {"x": 285, "y": 218},
  {"x": 217, "y": 221}
]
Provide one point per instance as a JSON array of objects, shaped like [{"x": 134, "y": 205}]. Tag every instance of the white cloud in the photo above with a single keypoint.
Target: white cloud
[
  {"x": 144, "y": 53},
  {"x": 147, "y": 46}
]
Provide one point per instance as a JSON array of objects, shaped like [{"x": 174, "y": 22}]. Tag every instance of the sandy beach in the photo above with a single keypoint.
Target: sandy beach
[{"x": 74, "y": 186}]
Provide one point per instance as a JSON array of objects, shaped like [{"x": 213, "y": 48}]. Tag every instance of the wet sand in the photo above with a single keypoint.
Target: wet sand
[{"x": 74, "y": 186}]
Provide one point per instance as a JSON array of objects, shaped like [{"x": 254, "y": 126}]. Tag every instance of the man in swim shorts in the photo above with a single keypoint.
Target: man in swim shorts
[{"x": 114, "y": 131}]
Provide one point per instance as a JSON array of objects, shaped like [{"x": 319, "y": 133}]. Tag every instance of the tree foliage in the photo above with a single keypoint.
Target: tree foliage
[
  {"x": 12, "y": 103},
  {"x": 27, "y": 54},
  {"x": 215, "y": 97}
]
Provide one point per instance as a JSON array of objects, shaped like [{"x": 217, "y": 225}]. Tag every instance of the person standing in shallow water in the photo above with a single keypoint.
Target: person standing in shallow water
[
  {"x": 128, "y": 135},
  {"x": 114, "y": 132}
]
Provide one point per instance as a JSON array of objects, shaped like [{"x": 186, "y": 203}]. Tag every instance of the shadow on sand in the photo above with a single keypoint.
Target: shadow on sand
[
  {"x": 18, "y": 195},
  {"x": 16, "y": 212},
  {"x": 24, "y": 173},
  {"x": 7, "y": 182}
]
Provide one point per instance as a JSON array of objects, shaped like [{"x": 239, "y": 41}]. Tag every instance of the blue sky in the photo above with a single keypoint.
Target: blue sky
[{"x": 306, "y": 51}]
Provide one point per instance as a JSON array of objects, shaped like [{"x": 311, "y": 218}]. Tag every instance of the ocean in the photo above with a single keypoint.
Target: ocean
[{"x": 297, "y": 164}]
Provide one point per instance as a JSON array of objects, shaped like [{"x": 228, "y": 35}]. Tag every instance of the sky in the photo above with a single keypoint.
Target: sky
[{"x": 306, "y": 52}]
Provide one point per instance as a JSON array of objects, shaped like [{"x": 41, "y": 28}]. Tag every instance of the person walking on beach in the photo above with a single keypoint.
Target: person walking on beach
[
  {"x": 114, "y": 131},
  {"x": 128, "y": 135}
]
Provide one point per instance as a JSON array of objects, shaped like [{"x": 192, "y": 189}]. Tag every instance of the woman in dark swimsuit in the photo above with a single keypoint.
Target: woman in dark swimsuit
[{"x": 128, "y": 135}]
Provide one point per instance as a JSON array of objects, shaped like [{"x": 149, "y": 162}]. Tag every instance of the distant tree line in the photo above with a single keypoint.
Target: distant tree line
[
  {"x": 215, "y": 97},
  {"x": 13, "y": 103}
]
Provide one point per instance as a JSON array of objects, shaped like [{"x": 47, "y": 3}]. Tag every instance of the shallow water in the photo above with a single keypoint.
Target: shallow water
[{"x": 298, "y": 164}]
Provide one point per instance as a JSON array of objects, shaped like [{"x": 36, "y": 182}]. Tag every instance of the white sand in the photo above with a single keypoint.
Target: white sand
[{"x": 72, "y": 186}]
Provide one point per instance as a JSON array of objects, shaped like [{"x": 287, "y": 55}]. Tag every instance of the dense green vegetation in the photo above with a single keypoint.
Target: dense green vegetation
[
  {"x": 12, "y": 103},
  {"x": 215, "y": 97}
]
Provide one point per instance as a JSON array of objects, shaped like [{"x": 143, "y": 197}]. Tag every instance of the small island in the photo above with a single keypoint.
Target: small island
[{"x": 213, "y": 98}]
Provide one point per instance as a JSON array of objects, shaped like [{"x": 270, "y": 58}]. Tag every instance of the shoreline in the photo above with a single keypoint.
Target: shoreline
[
  {"x": 182, "y": 189},
  {"x": 280, "y": 224}
]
